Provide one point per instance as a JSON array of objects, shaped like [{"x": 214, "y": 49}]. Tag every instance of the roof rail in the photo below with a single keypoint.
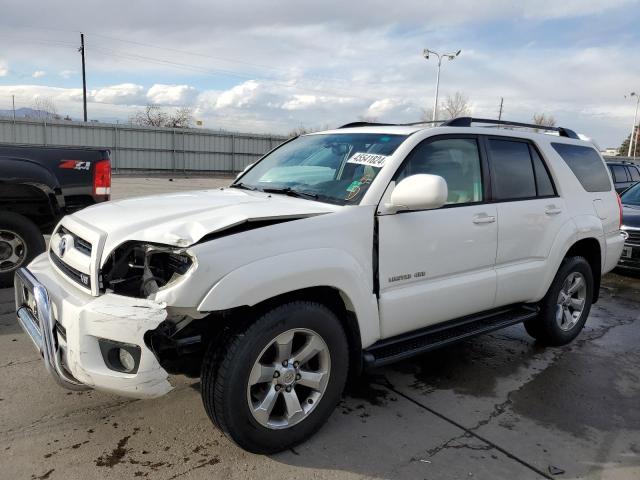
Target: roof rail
[
  {"x": 367, "y": 124},
  {"x": 467, "y": 121}
]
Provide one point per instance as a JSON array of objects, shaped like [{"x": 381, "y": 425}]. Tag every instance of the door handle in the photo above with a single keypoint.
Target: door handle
[
  {"x": 483, "y": 218},
  {"x": 552, "y": 210}
]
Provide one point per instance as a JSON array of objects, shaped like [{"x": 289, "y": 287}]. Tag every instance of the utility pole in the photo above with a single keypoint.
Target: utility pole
[
  {"x": 84, "y": 77},
  {"x": 500, "y": 112},
  {"x": 13, "y": 107},
  {"x": 451, "y": 56},
  {"x": 635, "y": 122}
]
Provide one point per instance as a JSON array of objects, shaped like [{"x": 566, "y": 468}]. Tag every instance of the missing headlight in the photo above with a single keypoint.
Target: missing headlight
[{"x": 140, "y": 270}]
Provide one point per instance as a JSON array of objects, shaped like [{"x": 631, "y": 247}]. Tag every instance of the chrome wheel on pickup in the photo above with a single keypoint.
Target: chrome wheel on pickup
[
  {"x": 13, "y": 251},
  {"x": 20, "y": 241},
  {"x": 289, "y": 378},
  {"x": 273, "y": 384}
]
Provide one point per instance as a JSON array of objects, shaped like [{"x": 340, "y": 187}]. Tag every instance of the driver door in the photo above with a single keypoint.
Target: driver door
[{"x": 438, "y": 265}]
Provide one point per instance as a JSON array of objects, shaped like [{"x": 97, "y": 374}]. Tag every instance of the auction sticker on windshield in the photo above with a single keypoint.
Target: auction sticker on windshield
[{"x": 370, "y": 159}]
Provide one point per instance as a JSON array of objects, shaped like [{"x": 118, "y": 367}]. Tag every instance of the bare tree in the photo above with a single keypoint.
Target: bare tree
[
  {"x": 367, "y": 118},
  {"x": 544, "y": 120},
  {"x": 427, "y": 115},
  {"x": 44, "y": 108},
  {"x": 302, "y": 130},
  {"x": 455, "y": 106},
  {"x": 155, "y": 116},
  {"x": 181, "y": 118},
  {"x": 150, "y": 116}
]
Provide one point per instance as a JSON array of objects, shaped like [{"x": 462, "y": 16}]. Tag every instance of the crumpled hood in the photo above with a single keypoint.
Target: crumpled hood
[
  {"x": 183, "y": 218},
  {"x": 631, "y": 215}
]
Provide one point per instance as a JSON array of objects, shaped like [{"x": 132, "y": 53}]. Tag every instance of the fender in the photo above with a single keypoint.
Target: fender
[
  {"x": 19, "y": 171},
  {"x": 579, "y": 228},
  {"x": 273, "y": 276}
]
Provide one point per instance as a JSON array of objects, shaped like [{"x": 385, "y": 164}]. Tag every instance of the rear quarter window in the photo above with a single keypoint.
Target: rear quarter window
[{"x": 586, "y": 165}]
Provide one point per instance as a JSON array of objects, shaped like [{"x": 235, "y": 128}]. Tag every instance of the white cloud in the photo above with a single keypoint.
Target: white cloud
[
  {"x": 67, "y": 73},
  {"x": 240, "y": 96},
  {"x": 318, "y": 68},
  {"x": 39, "y": 74},
  {"x": 174, "y": 95},
  {"x": 123, "y": 94}
]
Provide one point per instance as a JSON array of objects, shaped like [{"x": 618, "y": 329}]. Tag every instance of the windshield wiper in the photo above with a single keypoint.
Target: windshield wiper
[
  {"x": 243, "y": 186},
  {"x": 291, "y": 192}
]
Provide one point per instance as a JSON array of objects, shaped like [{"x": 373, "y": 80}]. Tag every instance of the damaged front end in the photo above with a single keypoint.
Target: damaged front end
[
  {"x": 140, "y": 270},
  {"x": 143, "y": 270}
]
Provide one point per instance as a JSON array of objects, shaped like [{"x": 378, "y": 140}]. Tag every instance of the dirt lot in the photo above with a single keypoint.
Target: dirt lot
[{"x": 498, "y": 406}]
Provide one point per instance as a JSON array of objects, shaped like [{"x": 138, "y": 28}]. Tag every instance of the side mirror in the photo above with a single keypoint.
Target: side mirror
[{"x": 420, "y": 192}]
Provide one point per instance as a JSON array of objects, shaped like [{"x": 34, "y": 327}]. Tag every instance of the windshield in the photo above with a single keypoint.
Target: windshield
[
  {"x": 335, "y": 168},
  {"x": 632, "y": 195}
]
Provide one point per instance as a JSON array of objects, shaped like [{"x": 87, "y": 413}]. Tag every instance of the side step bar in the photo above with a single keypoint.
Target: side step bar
[{"x": 420, "y": 341}]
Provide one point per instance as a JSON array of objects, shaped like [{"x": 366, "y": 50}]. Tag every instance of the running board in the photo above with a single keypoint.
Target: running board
[{"x": 420, "y": 341}]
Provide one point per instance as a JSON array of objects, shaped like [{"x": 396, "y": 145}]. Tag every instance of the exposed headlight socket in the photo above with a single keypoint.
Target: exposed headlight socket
[{"x": 120, "y": 357}]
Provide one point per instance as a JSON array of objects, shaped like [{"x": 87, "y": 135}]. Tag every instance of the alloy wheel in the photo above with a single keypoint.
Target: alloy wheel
[
  {"x": 289, "y": 378},
  {"x": 571, "y": 301}
]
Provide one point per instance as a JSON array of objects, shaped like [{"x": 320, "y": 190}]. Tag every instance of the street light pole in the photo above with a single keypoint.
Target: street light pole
[
  {"x": 633, "y": 137},
  {"x": 451, "y": 56}
]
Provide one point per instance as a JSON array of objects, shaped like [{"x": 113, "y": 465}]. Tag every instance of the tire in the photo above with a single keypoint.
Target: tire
[
  {"x": 20, "y": 242},
  {"x": 554, "y": 326},
  {"x": 229, "y": 365}
]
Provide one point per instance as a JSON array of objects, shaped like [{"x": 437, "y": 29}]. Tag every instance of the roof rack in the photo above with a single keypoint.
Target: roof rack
[
  {"x": 467, "y": 121},
  {"x": 367, "y": 124}
]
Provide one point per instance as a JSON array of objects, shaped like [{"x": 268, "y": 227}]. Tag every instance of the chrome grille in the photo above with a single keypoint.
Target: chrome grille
[
  {"x": 81, "y": 278},
  {"x": 79, "y": 243},
  {"x": 634, "y": 237}
]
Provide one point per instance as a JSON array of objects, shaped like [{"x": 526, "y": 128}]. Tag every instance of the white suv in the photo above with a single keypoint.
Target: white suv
[{"x": 337, "y": 251}]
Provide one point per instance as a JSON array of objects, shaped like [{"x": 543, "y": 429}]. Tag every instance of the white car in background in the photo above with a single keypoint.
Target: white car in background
[{"x": 337, "y": 251}]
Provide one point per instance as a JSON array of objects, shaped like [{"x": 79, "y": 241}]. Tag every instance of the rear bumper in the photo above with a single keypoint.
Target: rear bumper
[
  {"x": 614, "y": 244},
  {"x": 69, "y": 328}
]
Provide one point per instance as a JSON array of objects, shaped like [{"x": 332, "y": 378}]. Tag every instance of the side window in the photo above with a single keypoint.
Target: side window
[
  {"x": 586, "y": 164},
  {"x": 543, "y": 180},
  {"x": 635, "y": 175},
  {"x": 619, "y": 173},
  {"x": 512, "y": 170},
  {"x": 457, "y": 160}
]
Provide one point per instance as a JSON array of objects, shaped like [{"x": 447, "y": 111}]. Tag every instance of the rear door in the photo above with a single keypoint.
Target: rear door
[
  {"x": 436, "y": 265},
  {"x": 621, "y": 177},
  {"x": 530, "y": 215},
  {"x": 634, "y": 174}
]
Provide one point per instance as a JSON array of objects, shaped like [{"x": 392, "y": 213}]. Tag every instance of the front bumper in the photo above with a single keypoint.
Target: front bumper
[
  {"x": 67, "y": 327},
  {"x": 631, "y": 246}
]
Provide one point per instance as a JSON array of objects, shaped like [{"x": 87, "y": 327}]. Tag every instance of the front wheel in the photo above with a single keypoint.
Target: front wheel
[
  {"x": 273, "y": 385},
  {"x": 20, "y": 242},
  {"x": 565, "y": 307}
]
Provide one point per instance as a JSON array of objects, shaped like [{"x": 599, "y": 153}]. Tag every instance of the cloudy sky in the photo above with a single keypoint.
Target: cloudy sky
[{"x": 273, "y": 65}]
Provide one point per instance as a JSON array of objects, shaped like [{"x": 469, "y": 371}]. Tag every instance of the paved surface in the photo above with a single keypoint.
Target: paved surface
[{"x": 498, "y": 406}]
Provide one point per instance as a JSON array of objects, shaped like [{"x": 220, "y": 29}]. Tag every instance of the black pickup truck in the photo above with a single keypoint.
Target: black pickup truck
[{"x": 38, "y": 186}]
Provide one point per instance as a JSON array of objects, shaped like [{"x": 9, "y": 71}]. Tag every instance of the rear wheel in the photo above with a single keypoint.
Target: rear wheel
[
  {"x": 20, "y": 241},
  {"x": 273, "y": 385},
  {"x": 565, "y": 307}
]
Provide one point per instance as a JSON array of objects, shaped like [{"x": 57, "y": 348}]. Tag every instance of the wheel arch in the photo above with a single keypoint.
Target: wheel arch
[{"x": 590, "y": 249}]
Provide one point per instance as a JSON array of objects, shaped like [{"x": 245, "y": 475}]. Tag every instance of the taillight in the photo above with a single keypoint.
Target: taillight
[
  {"x": 102, "y": 178},
  {"x": 620, "y": 208}
]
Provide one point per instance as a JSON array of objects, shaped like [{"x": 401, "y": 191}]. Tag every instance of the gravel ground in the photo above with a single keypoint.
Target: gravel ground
[{"x": 497, "y": 406}]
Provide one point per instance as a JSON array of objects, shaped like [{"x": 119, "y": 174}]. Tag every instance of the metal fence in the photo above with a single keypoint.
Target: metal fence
[{"x": 141, "y": 148}]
